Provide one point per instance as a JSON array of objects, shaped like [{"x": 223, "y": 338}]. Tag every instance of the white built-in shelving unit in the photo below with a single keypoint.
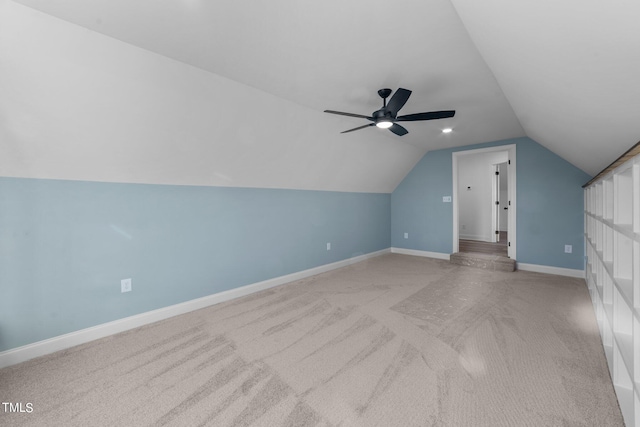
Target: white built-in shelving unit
[{"x": 612, "y": 234}]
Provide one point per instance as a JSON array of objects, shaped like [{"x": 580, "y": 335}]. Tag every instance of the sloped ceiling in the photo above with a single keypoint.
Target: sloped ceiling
[
  {"x": 78, "y": 105},
  {"x": 231, "y": 93},
  {"x": 570, "y": 69}
]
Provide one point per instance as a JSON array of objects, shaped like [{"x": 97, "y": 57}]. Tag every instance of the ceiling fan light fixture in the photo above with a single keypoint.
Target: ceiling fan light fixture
[{"x": 384, "y": 124}]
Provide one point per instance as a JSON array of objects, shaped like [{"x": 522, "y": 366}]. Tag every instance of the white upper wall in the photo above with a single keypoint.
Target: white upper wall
[
  {"x": 233, "y": 95},
  {"x": 79, "y": 105}
]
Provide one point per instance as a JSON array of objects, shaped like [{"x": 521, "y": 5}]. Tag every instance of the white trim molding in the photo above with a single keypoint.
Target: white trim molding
[
  {"x": 559, "y": 271},
  {"x": 415, "y": 252},
  {"x": 61, "y": 342},
  {"x": 513, "y": 227}
]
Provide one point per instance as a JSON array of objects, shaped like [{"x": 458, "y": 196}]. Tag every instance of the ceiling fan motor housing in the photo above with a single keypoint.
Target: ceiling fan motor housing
[{"x": 382, "y": 115}]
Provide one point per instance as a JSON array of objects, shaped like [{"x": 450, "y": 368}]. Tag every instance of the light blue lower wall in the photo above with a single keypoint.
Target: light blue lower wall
[
  {"x": 65, "y": 246},
  {"x": 549, "y": 205}
]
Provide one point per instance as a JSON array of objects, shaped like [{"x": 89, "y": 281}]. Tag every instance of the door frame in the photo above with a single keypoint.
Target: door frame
[
  {"x": 495, "y": 202},
  {"x": 511, "y": 177}
]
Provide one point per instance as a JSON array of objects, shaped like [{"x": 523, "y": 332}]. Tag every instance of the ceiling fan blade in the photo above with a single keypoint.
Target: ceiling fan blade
[
  {"x": 398, "y": 100},
  {"x": 427, "y": 116},
  {"x": 340, "y": 113},
  {"x": 398, "y": 130},
  {"x": 359, "y": 127}
]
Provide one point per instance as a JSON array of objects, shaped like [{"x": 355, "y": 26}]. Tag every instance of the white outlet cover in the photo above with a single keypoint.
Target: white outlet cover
[
  {"x": 568, "y": 249},
  {"x": 406, "y": 235},
  {"x": 328, "y": 246},
  {"x": 446, "y": 199},
  {"x": 125, "y": 285}
]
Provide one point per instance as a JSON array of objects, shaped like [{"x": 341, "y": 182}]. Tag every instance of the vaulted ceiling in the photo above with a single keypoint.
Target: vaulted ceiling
[{"x": 232, "y": 93}]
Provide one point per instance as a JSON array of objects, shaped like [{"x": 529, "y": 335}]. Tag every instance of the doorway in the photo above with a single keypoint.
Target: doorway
[{"x": 484, "y": 202}]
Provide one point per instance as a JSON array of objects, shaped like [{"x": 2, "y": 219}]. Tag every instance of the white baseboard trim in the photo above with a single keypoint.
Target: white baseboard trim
[
  {"x": 519, "y": 265},
  {"x": 61, "y": 342},
  {"x": 415, "y": 252},
  {"x": 569, "y": 272}
]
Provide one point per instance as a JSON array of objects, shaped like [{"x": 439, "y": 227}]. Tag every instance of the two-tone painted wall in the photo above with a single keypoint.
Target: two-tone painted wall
[{"x": 65, "y": 246}]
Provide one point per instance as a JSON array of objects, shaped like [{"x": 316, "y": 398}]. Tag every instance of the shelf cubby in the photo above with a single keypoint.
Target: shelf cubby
[
  {"x": 607, "y": 207},
  {"x": 636, "y": 198},
  {"x": 623, "y": 329},
  {"x": 599, "y": 240},
  {"x": 623, "y": 386},
  {"x": 623, "y": 197},
  {"x": 599, "y": 202},
  {"x": 636, "y": 352},
  {"x": 635, "y": 281},
  {"x": 623, "y": 260},
  {"x": 600, "y": 279},
  {"x": 600, "y": 315},
  {"x": 607, "y": 337},
  {"x": 607, "y": 294},
  {"x": 607, "y": 249}
]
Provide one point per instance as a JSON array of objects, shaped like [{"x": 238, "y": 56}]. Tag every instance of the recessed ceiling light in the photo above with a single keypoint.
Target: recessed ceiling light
[
  {"x": 447, "y": 130},
  {"x": 384, "y": 124}
]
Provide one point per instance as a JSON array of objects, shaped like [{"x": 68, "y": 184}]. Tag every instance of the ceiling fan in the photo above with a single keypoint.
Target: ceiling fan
[{"x": 387, "y": 116}]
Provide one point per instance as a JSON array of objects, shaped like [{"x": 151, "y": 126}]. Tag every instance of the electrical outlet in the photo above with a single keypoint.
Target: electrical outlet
[
  {"x": 464, "y": 227},
  {"x": 328, "y": 246},
  {"x": 568, "y": 249},
  {"x": 125, "y": 285},
  {"x": 406, "y": 235},
  {"x": 446, "y": 199}
]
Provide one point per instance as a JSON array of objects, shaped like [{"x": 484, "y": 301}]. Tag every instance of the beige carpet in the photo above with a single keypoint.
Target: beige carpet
[{"x": 393, "y": 341}]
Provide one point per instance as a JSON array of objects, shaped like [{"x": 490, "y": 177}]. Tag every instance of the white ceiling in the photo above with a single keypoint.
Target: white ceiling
[{"x": 563, "y": 73}]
